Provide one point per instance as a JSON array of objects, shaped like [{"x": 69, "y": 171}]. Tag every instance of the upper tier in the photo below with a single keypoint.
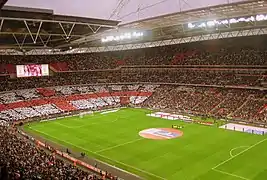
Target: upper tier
[{"x": 235, "y": 51}]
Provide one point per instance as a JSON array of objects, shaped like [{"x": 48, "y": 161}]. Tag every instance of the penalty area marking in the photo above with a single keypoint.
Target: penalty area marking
[
  {"x": 250, "y": 147},
  {"x": 227, "y": 160},
  {"x": 119, "y": 162},
  {"x": 234, "y": 175},
  {"x": 231, "y": 152},
  {"x": 76, "y": 127}
]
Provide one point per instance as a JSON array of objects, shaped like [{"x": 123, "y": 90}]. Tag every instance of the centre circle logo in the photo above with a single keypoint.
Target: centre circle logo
[{"x": 161, "y": 133}]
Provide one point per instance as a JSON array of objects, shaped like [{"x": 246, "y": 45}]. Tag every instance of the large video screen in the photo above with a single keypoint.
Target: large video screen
[{"x": 30, "y": 70}]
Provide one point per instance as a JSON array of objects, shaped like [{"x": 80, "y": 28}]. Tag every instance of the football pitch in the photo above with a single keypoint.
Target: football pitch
[{"x": 200, "y": 153}]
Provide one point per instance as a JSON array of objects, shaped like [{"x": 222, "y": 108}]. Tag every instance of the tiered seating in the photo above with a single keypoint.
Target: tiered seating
[
  {"x": 62, "y": 104},
  {"x": 4, "y": 116},
  {"x": 133, "y": 87},
  {"x": 236, "y": 51},
  {"x": 84, "y": 89},
  {"x": 116, "y": 87},
  {"x": 11, "y": 115},
  {"x": 37, "y": 103},
  {"x": 210, "y": 100},
  {"x": 2, "y": 107},
  {"x": 46, "y": 109},
  {"x": 262, "y": 114},
  {"x": 249, "y": 110},
  {"x": 233, "y": 100},
  {"x": 100, "y": 88},
  {"x": 46, "y": 92},
  {"x": 9, "y": 97},
  {"x": 27, "y": 94},
  {"x": 139, "y": 99},
  {"x": 220, "y": 102},
  {"x": 7, "y": 69},
  {"x": 99, "y": 102},
  {"x": 196, "y": 76},
  {"x": 27, "y": 112},
  {"x": 23, "y": 160},
  {"x": 149, "y": 88},
  {"x": 152, "y": 102},
  {"x": 65, "y": 90},
  {"x": 238, "y": 104},
  {"x": 109, "y": 100},
  {"x": 84, "y": 104},
  {"x": 59, "y": 66}
]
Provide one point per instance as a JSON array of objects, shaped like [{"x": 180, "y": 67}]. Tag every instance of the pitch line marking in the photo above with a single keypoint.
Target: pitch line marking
[
  {"x": 76, "y": 127},
  {"x": 122, "y": 144},
  {"x": 231, "y": 154},
  {"x": 250, "y": 147},
  {"x": 119, "y": 168},
  {"x": 234, "y": 175},
  {"x": 146, "y": 172},
  {"x": 66, "y": 125},
  {"x": 95, "y": 123}
]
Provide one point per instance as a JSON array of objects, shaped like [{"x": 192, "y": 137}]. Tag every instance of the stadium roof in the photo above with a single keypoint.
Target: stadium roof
[
  {"x": 28, "y": 28},
  {"x": 122, "y": 10},
  {"x": 176, "y": 24},
  {"x": 175, "y": 28},
  {"x": 2, "y": 3}
]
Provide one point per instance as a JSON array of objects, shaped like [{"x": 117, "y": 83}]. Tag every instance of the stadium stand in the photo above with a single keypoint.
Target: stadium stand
[
  {"x": 227, "y": 52},
  {"x": 20, "y": 159},
  {"x": 236, "y": 104},
  {"x": 207, "y": 76},
  {"x": 223, "y": 79},
  {"x": 68, "y": 99},
  {"x": 230, "y": 103}
]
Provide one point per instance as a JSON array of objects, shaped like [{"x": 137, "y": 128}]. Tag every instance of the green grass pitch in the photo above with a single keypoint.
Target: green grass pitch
[{"x": 202, "y": 153}]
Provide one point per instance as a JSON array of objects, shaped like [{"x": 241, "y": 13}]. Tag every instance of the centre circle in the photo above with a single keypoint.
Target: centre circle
[{"x": 161, "y": 133}]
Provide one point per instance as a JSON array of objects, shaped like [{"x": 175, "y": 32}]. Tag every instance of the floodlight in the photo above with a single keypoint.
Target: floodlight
[
  {"x": 225, "y": 21},
  {"x": 260, "y": 17},
  {"x": 211, "y": 23},
  {"x": 233, "y": 20},
  {"x": 202, "y": 25},
  {"x": 190, "y": 25}
]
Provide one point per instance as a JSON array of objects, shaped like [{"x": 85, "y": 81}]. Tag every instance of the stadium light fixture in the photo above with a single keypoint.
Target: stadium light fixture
[
  {"x": 261, "y": 17},
  {"x": 190, "y": 25},
  {"x": 213, "y": 23},
  {"x": 122, "y": 37},
  {"x": 233, "y": 20}
]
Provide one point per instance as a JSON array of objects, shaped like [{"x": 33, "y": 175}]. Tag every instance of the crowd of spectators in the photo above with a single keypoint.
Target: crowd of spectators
[
  {"x": 240, "y": 103},
  {"x": 20, "y": 159},
  {"x": 34, "y": 104},
  {"x": 198, "y": 76},
  {"x": 196, "y": 86},
  {"x": 236, "y": 51},
  {"x": 237, "y": 104},
  {"x": 197, "y": 65}
]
